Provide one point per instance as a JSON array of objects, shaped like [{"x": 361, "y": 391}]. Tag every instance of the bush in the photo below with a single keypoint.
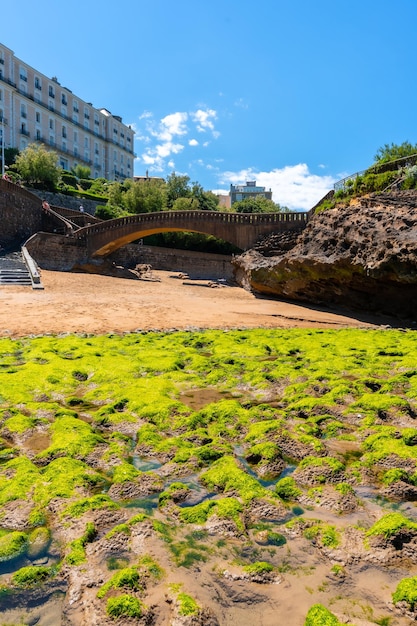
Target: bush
[{"x": 69, "y": 179}]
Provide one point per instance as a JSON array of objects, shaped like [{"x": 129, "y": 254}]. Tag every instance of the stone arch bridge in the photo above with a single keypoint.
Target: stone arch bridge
[{"x": 241, "y": 229}]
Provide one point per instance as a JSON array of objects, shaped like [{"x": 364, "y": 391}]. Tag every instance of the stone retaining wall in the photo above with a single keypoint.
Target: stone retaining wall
[
  {"x": 195, "y": 264},
  {"x": 61, "y": 253},
  {"x": 68, "y": 202},
  {"x": 20, "y": 214}
]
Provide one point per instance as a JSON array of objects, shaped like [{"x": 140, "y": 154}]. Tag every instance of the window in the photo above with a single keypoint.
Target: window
[
  {"x": 75, "y": 136},
  {"x": 51, "y": 123},
  {"x": 51, "y": 92},
  {"x": 64, "y": 99},
  {"x": 23, "y": 112},
  {"x": 38, "y": 117},
  {"x": 38, "y": 135},
  {"x": 64, "y": 132},
  {"x": 23, "y": 75},
  {"x": 38, "y": 84},
  {"x": 75, "y": 106}
]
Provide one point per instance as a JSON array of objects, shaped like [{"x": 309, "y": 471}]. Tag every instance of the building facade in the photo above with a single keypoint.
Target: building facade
[
  {"x": 37, "y": 109},
  {"x": 250, "y": 190}
]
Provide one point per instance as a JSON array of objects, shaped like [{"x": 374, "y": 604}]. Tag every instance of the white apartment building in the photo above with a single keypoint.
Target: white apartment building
[{"x": 37, "y": 109}]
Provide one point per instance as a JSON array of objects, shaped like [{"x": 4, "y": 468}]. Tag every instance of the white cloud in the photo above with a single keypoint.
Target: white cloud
[
  {"x": 204, "y": 119},
  {"x": 293, "y": 186},
  {"x": 159, "y": 139},
  {"x": 173, "y": 124}
]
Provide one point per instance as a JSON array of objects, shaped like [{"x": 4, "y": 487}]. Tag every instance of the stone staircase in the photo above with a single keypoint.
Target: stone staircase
[{"x": 13, "y": 270}]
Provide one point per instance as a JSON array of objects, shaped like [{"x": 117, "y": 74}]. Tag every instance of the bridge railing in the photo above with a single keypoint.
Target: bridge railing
[{"x": 183, "y": 216}]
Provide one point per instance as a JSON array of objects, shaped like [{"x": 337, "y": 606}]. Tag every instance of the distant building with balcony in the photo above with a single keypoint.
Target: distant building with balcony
[
  {"x": 37, "y": 109},
  {"x": 250, "y": 190}
]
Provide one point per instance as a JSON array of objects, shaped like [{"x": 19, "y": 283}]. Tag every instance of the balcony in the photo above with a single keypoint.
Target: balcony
[
  {"x": 25, "y": 132},
  {"x": 24, "y": 78}
]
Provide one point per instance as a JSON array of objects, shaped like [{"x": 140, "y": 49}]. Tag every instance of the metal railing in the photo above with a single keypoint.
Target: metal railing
[{"x": 378, "y": 168}]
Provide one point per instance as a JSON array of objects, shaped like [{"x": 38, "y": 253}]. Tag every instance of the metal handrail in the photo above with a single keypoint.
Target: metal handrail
[{"x": 378, "y": 168}]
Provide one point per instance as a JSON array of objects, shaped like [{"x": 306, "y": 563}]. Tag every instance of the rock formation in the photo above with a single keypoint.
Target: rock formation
[{"x": 363, "y": 255}]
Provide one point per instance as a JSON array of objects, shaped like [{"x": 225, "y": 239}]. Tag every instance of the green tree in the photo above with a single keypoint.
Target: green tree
[
  {"x": 10, "y": 155},
  {"x": 177, "y": 186},
  {"x": 185, "y": 204},
  {"x": 145, "y": 196},
  {"x": 259, "y": 204},
  {"x": 81, "y": 171},
  {"x": 207, "y": 201},
  {"x": 115, "y": 194},
  {"x": 38, "y": 166},
  {"x": 391, "y": 152}
]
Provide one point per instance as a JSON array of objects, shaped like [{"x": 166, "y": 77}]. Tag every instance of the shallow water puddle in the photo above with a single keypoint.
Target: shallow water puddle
[{"x": 198, "y": 398}]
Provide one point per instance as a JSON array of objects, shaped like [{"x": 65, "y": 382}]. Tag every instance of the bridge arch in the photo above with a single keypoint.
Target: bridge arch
[{"x": 240, "y": 229}]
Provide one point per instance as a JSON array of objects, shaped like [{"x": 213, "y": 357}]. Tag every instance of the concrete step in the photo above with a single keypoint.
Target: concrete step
[{"x": 15, "y": 277}]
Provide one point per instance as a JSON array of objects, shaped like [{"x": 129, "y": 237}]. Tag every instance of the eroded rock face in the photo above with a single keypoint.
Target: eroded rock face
[{"x": 361, "y": 256}]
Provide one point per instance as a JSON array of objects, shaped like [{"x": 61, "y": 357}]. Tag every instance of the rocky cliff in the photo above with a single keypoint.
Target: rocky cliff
[{"x": 361, "y": 256}]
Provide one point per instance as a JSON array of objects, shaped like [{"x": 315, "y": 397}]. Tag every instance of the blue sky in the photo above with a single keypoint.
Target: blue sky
[{"x": 295, "y": 94}]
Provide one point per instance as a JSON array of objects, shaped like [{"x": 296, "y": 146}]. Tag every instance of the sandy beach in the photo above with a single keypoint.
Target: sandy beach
[{"x": 91, "y": 303}]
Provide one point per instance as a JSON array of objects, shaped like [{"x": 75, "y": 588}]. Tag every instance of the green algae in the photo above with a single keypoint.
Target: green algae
[
  {"x": 98, "y": 501},
  {"x": 406, "y": 591},
  {"x": 71, "y": 437},
  {"x": 124, "y": 605},
  {"x": 76, "y": 554},
  {"x": 12, "y": 545},
  {"x": 225, "y": 475},
  {"x": 390, "y": 524},
  {"x": 258, "y": 568},
  {"x": 318, "y": 615},
  {"x": 287, "y": 489},
  {"x": 223, "y": 508},
  {"x": 127, "y": 578},
  {"x": 32, "y": 575},
  {"x": 280, "y": 386}
]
